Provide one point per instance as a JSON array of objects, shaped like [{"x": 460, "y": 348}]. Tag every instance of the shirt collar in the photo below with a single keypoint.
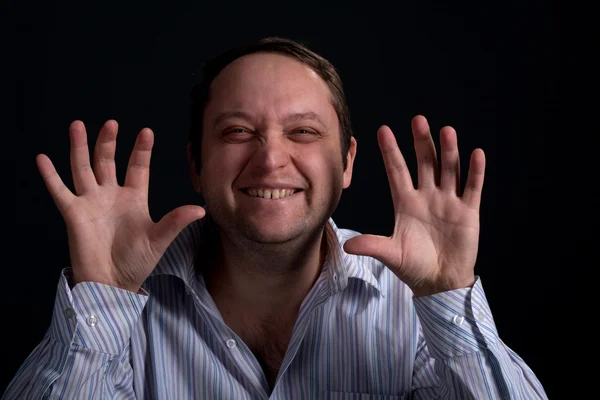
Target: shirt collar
[
  {"x": 178, "y": 259},
  {"x": 346, "y": 266}
]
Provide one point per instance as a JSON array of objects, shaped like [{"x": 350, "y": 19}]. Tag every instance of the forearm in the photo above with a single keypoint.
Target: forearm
[
  {"x": 470, "y": 360},
  {"x": 85, "y": 351},
  {"x": 56, "y": 371}
]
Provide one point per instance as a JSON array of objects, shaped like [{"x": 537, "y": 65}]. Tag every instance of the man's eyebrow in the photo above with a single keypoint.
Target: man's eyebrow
[
  {"x": 231, "y": 114},
  {"x": 309, "y": 115}
]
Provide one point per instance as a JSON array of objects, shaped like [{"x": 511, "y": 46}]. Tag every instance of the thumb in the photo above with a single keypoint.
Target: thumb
[
  {"x": 170, "y": 225},
  {"x": 378, "y": 247}
]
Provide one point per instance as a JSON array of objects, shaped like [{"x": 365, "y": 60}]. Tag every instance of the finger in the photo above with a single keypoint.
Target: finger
[
  {"x": 60, "y": 193},
  {"x": 83, "y": 176},
  {"x": 450, "y": 169},
  {"x": 474, "y": 184},
  {"x": 378, "y": 247},
  {"x": 169, "y": 226},
  {"x": 395, "y": 165},
  {"x": 104, "y": 154},
  {"x": 426, "y": 154},
  {"x": 138, "y": 170}
]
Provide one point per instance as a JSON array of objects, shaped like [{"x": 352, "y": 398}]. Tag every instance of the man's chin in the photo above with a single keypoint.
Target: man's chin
[{"x": 271, "y": 235}]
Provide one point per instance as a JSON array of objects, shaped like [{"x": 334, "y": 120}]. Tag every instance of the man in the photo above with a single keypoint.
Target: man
[{"x": 259, "y": 294}]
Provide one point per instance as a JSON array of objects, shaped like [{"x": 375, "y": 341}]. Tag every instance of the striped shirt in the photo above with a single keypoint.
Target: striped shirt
[{"x": 360, "y": 334}]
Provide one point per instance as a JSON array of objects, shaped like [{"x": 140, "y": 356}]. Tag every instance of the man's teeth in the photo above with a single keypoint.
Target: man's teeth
[{"x": 271, "y": 193}]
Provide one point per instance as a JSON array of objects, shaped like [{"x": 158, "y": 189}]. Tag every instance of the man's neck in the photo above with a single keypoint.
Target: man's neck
[{"x": 265, "y": 281}]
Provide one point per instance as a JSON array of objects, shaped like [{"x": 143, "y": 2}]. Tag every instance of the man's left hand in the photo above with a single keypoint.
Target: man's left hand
[{"x": 434, "y": 244}]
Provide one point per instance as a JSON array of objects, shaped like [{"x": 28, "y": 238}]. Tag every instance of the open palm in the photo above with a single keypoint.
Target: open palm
[
  {"x": 112, "y": 238},
  {"x": 434, "y": 244}
]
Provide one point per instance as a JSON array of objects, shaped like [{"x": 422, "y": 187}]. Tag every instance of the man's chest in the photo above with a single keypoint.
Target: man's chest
[
  {"x": 352, "y": 347},
  {"x": 334, "y": 354},
  {"x": 268, "y": 340}
]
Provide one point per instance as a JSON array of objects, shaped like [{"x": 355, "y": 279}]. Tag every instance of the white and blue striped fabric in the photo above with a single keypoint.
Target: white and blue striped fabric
[{"x": 360, "y": 334}]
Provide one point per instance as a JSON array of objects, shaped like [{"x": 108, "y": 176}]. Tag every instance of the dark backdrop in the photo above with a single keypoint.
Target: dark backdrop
[{"x": 489, "y": 72}]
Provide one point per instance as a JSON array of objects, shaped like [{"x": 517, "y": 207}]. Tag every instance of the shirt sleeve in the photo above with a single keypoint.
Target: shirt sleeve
[
  {"x": 85, "y": 352},
  {"x": 460, "y": 355}
]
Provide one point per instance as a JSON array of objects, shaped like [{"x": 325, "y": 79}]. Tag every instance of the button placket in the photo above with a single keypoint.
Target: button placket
[
  {"x": 480, "y": 316},
  {"x": 91, "y": 320}
]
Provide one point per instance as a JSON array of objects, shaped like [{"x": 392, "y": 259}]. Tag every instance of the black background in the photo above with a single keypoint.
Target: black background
[{"x": 489, "y": 71}]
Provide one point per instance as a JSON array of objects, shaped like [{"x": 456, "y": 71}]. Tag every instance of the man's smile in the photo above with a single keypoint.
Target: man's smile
[{"x": 268, "y": 193}]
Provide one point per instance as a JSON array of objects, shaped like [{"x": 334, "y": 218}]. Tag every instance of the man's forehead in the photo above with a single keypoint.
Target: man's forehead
[
  {"x": 257, "y": 62},
  {"x": 270, "y": 84},
  {"x": 267, "y": 70}
]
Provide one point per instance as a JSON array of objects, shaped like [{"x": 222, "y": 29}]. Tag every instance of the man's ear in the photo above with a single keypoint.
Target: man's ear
[
  {"x": 350, "y": 162},
  {"x": 194, "y": 176}
]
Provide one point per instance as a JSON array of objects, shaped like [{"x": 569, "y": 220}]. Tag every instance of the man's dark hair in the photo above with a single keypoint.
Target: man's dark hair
[{"x": 297, "y": 50}]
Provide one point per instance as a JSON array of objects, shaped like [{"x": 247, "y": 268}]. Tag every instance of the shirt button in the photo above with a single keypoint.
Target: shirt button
[
  {"x": 91, "y": 320},
  {"x": 458, "y": 319},
  {"x": 231, "y": 343},
  {"x": 480, "y": 316},
  {"x": 69, "y": 312}
]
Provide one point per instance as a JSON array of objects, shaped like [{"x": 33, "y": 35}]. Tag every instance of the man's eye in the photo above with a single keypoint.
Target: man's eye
[
  {"x": 237, "y": 135},
  {"x": 243, "y": 132},
  {"x": 305, "y": 131}
]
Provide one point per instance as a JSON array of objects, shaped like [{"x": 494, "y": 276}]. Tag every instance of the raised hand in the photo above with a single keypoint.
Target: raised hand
[
  {"x": 112, "y": 239},
  {"x": 434, "y": 244}
]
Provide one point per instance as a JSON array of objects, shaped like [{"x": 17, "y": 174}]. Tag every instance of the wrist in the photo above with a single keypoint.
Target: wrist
[
  {"x": 78, "y": 278},
  {"x": 428, "y": 289}
]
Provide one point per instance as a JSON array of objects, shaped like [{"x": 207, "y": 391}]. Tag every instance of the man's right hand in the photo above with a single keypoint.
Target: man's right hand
[{"x": 112, "y": 238}]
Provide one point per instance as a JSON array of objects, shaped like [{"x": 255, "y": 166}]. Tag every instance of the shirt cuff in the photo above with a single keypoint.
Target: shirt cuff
[
  {"x": 456, "y": 322},
  {"x": 93, "y": 315}
]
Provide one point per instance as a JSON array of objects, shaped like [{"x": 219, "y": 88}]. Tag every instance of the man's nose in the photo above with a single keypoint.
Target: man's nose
[{"x": 272, "y": 153}]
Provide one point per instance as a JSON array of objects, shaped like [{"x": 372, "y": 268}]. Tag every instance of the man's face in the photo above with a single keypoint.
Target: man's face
[{"x": 270, "y": 130}]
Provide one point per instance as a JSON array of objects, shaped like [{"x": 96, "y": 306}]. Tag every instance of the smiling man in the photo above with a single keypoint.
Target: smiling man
[{"x": 259, "y": 294}]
